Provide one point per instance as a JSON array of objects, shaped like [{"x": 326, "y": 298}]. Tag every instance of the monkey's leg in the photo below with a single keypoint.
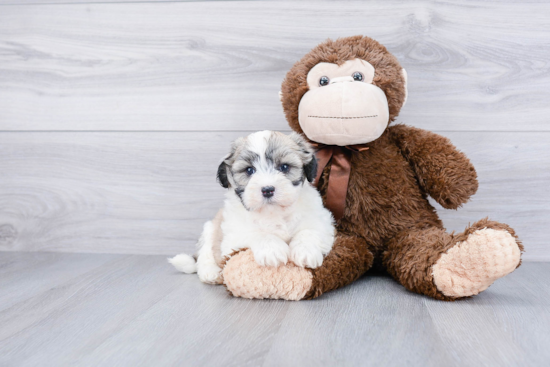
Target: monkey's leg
[
  {"x": 347, "y": 261},
  {"x": 447, "y": 267}
]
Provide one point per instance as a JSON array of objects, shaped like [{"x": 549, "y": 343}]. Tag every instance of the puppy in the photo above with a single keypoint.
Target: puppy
[{"x": 270, "y": 207}]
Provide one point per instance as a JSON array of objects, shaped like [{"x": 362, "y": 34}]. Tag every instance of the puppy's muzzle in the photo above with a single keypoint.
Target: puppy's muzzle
[{"x": 268, "y": 191}]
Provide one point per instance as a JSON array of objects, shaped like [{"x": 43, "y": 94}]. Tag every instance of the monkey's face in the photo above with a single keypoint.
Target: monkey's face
[
  {"x": 344, "y": 92},
  {"x": 342, "y": 105}
]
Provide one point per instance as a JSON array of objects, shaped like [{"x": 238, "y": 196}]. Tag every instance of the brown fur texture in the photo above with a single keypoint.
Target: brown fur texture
[
  {"x": 387, "y": 198},
  {"x": 442, "y": 171},
  {"x": 413, "y": 252},
  {"x": 388, "y": 221},
  {"x": 349, "y": 258}
]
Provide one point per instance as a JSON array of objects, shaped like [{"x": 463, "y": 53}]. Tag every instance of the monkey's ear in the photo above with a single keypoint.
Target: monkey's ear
[
  {"x": 404, "y": 72},
  {"x": 222, "y": 175},
  {"x": 310, "y": 169},
  {"x": 281, "y": 95}
]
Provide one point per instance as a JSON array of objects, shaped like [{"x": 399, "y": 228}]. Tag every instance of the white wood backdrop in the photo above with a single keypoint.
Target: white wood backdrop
[{"x": 114, "y": 115}]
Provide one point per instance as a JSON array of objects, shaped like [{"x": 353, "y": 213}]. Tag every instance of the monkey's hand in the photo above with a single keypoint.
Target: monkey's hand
[{"x": 445, "y": 173}]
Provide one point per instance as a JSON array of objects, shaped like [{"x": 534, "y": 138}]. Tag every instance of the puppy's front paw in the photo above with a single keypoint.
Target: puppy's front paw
[
  {"x": 305, "y": 254},
  {"x": 272, "y": 251}
]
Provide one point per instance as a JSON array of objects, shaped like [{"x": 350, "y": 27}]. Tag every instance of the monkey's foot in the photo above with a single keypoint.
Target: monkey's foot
[
  {"x": 243, "y": 277},
  {"x": 471, "y": 266}
]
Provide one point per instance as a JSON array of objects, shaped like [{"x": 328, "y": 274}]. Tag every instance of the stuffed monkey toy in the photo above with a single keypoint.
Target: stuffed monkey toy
[{"x": 375, "y": 178}]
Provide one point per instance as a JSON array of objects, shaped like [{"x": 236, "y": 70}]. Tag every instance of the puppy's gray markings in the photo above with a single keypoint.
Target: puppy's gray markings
[{"x": 300, "y": 160}]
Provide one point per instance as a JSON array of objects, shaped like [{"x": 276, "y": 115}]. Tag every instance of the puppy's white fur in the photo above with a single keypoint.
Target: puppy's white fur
[{"x": 291, "y": 225}]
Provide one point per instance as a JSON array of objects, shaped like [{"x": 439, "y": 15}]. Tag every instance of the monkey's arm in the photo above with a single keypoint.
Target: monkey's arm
[
  {"x": 442, "y": 171},
  {"x": 347, "y": 261}
]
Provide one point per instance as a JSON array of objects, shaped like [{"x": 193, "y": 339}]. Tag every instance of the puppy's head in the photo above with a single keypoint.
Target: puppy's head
[{"x": 268, "y": 168}]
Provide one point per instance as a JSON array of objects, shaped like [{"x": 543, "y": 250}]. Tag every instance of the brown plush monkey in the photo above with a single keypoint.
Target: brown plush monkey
[{"x": 343, "y": 96}]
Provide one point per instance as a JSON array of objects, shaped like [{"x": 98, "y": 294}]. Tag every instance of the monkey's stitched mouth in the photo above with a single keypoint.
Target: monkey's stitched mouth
[{"x": 342, "y": 117}]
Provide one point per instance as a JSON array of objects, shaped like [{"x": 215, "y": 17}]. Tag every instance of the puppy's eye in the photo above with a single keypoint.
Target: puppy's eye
[
  {"x": 284, "y": 168},
  {"x": 324, "y": 80},
  {"x": 250, "y": 171},
  {"x": 357, "y": 76}
]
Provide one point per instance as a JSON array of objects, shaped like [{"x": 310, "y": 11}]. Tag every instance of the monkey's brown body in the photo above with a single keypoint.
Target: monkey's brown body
[
  {"x": 388, "y": 220},
  {"x": 387, "y": 202},
  {"x": 384, "y": 196}
]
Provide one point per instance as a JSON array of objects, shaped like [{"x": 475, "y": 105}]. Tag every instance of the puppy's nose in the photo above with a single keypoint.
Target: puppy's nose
[{"x": 267, "y": 191}]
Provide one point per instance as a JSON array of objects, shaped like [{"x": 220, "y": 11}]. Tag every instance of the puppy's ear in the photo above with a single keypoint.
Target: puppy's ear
[
  {"x": 308, "y": 156},
  {"x": 222, "y": 175},
  {"x": 227, "y": 161},
  {"x": 304, "y": 147},
  {"x": 310, "y": 169}
]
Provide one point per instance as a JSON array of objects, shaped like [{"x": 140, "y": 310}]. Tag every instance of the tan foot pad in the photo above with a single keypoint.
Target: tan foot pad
[
  {"x": 471, "y": 266},
  {"x": 243, "y": 277}
]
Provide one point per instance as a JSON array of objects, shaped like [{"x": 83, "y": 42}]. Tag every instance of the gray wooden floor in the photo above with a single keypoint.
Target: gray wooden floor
[{"x": 126, "y": 310}]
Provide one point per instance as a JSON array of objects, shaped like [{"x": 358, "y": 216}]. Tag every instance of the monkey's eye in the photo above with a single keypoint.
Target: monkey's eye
[
  {"x": 284, "y": 168},
  {"x": 357, "y": 76},
  {"x": 250, "y": 171},
  {"x": 324, "y": 80}
]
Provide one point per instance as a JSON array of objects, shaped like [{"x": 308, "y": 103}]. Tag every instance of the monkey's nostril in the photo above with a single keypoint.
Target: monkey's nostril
[{"x": 268, "y": 191}]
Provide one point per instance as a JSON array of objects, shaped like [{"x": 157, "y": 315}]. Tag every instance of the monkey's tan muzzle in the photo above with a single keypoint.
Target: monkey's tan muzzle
[{"x": 344, "y": 112}]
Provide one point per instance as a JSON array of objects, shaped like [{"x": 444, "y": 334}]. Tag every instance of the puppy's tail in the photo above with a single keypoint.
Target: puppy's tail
[{"x": 184, "y": 263}]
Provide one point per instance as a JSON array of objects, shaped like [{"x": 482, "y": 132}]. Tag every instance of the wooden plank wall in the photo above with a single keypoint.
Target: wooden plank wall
[{"x": 113, "y": 116}]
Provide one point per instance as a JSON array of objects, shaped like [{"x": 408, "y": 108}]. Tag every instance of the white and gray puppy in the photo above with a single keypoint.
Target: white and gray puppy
[{"x": 270, "y": 207}]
